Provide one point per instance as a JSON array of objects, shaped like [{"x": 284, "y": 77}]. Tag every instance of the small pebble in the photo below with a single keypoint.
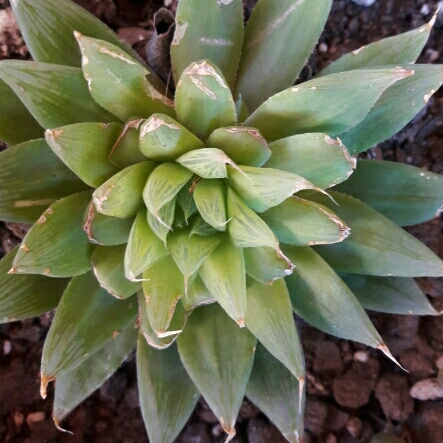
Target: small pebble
[
  {"x": 361, "y": 356},
  {"x": 364, "y": 2},
  {"x": 427, "y": 389},
  {"x": 354, "y": 426},
  {"x": 439, "y": 362},
  {"x": 331, "y": 438},
  {"x": 18, "y": 418},
  {"x": 168, "y": 3},
  {"x": 323, "y": 48},
  {"x": 425, "y": 9},
  {"x": 7, "y": 347},
  {"x": 35, "y": 417}
]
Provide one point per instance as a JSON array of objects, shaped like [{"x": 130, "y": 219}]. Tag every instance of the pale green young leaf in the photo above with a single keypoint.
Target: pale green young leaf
[
  {"x": 118, "y": 82},
  {"x": 269, "y": 63},
  {"x": 161, "y": 226},
  {"x": 317, "y": 157},
  {"x": 332, "y": 104},
  {"x": 376, "y": 246},
  {"x": 57, "y": 245},
  {"x": 269, "y": 317},
  {"x": 76, "y": 385},
  {"x": 223, "y": 273},
  {"x": 87, "y": 318},
  {"x": 32, "y": 177},
  {"x": 210, "y": 199},
  {"x": 218, "y": 357},
  {"x": 121, "y": 195},
  {"x": 185, "y": 200},
  {"x": 85, "y": 148},
  {"x": 273, "y": 389},
  {"x": 55, "y": 95},
  {"x": 203, "y": 100},
  {"x": 197, "y": 295},
  {"x": 393, "y": 189},
  {"x": 200, "y": 227},
  {"x": 26, "y": 296},
  {"x": 216, "y": 35}
]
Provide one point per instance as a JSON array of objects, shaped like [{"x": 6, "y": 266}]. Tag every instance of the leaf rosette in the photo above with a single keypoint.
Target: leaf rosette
[{"x": 195, "y": 221}]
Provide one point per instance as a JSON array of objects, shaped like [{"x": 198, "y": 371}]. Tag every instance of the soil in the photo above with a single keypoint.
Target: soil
[{"x": 353, "y": 391}]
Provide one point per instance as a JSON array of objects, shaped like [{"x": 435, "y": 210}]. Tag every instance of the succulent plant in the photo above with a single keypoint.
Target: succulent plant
[{"x": 195, "y": 219}]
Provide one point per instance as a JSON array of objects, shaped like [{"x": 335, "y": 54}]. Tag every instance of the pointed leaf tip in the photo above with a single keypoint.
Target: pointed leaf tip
[{"x": 383, "y": 348}]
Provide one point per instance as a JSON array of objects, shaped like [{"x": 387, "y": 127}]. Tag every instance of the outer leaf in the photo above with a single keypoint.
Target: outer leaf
[
  {"x": 203, "y": 100},
  {"x": 161, "y": 226},
  {"x": 331, "y": 104},
  {"x": 394, "y": 295},
  {"x": 399, "y": 49},
  {"x": 265, "y": 265},
  {"x": 18, "y": 125},
  {"x": 164, "y": 139},
  {"x": 245, "y": 146},
  {"x": 265, "y": 46},
  {"x": 55, "y": 95},
  {"x": 26, "y": 296},
  {"x": 48, "y": 28},
  {"x": 376, "y": 246},
  {"x": 197, "y": 295},
  {"x": 210, "y": 199},
  {"x": 216, "y": 35},
  {"x": 132, "y": 93},
  {"x": 76, "y": 385},
  {"x": 31, "y": 179},
  {"x": 121, "y": 196},
  {"x": 218, "y": 357},
  {"x": 301, "y": 222},
  {"x": 104, "y": 230},
  {"x": 316, "y": 157},
  {"x": 263, "y": 188},
  {"x": 269, "y": 318},
  {"x": 393, "y": 189},
  {"x": 223, "y": 273},
  {"x": 395, "y": 108},
  {"x": 108, "y": 267},
  {"x": 167, "y": 395},
  {"x": 320, "y": 297},
  {"x": 85, "y": 148},
  {"x": 276, "y": 392},
  {"x": 87, "y": 319},
  {"x": 163, "y": 185},
  {"x": 57, "y": 245},
  {"x": 144, "y": 247},
  {"x": 163, "y": 288}
]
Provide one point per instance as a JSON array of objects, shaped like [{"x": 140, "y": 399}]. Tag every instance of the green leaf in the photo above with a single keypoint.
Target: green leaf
[
  {"x": 210, "y": 199},
  {"x": 218, "y": 357},
  {"x": 164, "y": 139},
  {"x": 399, "y": 49},
  {"x": 163, "y": 287},
  {"x": 316, "y": 157},
  {"x": 167, "y": 395},
  {"x": 274, "y": 390},
  {"x": 79, "y": 383},
  {"x": 104, "y": 230},
  {"x": 161, "y": 226},
  {"x": 200, "y": 227},
  {"x": 118, "y": 82},
  {"x": 87, "y": 318},
  {"x": 18, "y": 124},
  {"x": 189, "y": 252},
  {"x": 332, "y": 104},
  {"x": 394, "y": 295},
  {"x": 263, "y": 188},
  {"x": 31, "y": 179},
  {"x": 48, "y": 29},
  {"x": 203, "y": 100},
  {"x": 245, "y": 146},
  {"x": 197, "y": 295},
  {"x": 144, "y": 247},
  {"x": 393, "y": 189},
  {"x": 265, "y": 265},
  {"x": 84, "y": 148},
  {"x": 271, "y": 26},
  {"x": 216, "y": 35},
  {"x": 395, "y": 108},
  {"x": 26, "y": 296},
  {"x": 57, "y": 245},
  {"x": 302, "y": 222},
  {"x": 108, "y": 266},
  {"x": 55, "y": 95},
  {"x": 185, "y": 200},
  {"x": 320, "y": 297},
  {"x": 163, "y": 185},
  {"x": 376, "y": 245},
  {"x": 121, "y": 196},
  {"x": 269, "y": 318},
  {"x": 223, "y": 273}
]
